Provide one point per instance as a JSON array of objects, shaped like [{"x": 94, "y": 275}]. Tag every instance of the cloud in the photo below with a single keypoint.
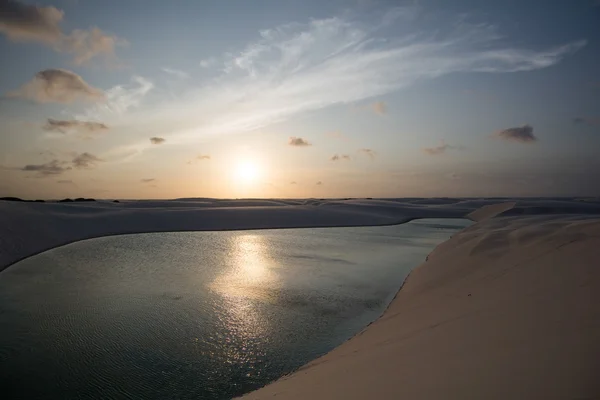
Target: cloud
[
  {"x": 297, "y": 141},
  {"x": 85, "y": 160},
  {"x": 66, "y": 182},
  {"x": 379, "y": 108},
  {"x": 147, "y": 180},
  {"x": 87, "y": 44},
  {"x": 300, "y": 67},
  {"x": 57, "y": 86},
  {"x": 119, "y": 100},
  {"x": 175, "y": 72},
  {"x": 441, "y": 149},
  {"x": 54, "y": 167},
  {"x": 521, "y": 134},
  {"x": 369, "y": 152},
  {"x": 157, "y": 140},
  {"x": 293, "y": 183},
  {"x": 23, "y": 22},
  {"x": 337, "y": 157},
  {"x": 208, "y": 62},
  {"x": 201, "y": 157},
  {"x": 32, "y": 23},
  {"x": 57, "y": 167},
  {"x": 319, "y": 183},
  {"x": 64, "y": 126},
  {"x": 586, "y": 121}
]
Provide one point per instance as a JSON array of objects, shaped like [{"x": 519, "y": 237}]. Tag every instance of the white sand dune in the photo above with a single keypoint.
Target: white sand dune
[
  {"x": 29, "y": 228},
  {"x": 507, "y": 309}
]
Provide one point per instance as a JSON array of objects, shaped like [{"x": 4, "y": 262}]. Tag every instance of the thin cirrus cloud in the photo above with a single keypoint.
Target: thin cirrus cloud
[
  {"x": 64, "y": 126},
  {"x": 157, "y": 140},
  {"x": 176, "y": 73},
  {"x": 519, "y": 134},
  {"x": 57, "y": 86},
  {"x": 147, "y": 180},
  {"x": 439, "y": 150},
  {"x": 299, "y": 67},
  {"x": 22, "y": 22},
  {"x": 119, "y": 100},
  {"x": 298, "y": 142}
]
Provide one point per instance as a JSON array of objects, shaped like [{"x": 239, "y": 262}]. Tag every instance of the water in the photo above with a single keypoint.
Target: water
[{"x": 203, "y": 315}]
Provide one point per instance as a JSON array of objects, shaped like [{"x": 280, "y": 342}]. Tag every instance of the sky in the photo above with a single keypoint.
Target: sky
[{"x": 294, "y": 99}]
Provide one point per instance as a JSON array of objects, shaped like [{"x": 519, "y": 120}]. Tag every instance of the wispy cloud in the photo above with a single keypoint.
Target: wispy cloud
[
  {"x": 57, "y": 86},
  {"x": 299, "y": 142},
  {"x": 54, "y": 167},
  {"x": 65, "y": 182},
  {"x": 157, "y": 140},
  {"x": 338, "y": 157},
  {"x": 208, "y": 62},
  {"x": 119, "y": 100},
  {"x": 176, "y": 72},
  {"x": 57, "y": 167},
  {"x": 369, "y": 153},
  {"x": 85, "y": 160},
  {"x": 300, "y": 67},
  {"x": 319, "y": 183},
  {"x": 293, "y": 183},
  {"x": 201, "y": 157},
  {"x": 22, "y": 22},
  {"x": 147, "y": 180},
  {"x": 520, "y": 134},
  {"x": 64, "y": 126},
  {"x": 441, "y": 149}
]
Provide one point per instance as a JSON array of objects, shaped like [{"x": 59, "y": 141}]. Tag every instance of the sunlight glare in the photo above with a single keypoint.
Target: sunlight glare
[{"x": 247, "y": 172}]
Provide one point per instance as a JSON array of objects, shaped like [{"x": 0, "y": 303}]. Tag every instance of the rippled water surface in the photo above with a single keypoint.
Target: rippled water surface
[{"x": 202, "y": 315}]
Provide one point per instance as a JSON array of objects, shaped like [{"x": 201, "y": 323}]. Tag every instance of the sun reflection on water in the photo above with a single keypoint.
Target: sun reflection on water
[{"x": 247, "y": 281}]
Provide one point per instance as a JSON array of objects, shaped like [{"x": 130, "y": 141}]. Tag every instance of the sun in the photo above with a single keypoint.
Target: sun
[{"x": 247, "y": 171}]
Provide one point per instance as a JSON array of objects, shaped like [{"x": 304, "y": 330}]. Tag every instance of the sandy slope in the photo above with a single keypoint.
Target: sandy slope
[{"x": 507, "y": 309}]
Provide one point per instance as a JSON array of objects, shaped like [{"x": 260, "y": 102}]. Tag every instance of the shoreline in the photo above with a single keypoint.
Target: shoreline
[{"x": 502, "y": 329}]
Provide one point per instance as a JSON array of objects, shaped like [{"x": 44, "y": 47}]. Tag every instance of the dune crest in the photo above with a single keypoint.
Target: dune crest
[{"x": 490, "y": 211}]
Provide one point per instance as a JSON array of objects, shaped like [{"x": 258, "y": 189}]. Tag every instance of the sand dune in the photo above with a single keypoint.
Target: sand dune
[
  {"x": 30, "y": 228},
  {"x": 506, "y": 309}
]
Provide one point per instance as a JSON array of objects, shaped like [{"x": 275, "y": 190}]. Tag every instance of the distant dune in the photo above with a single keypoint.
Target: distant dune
[{"x": 27, "y": 228}]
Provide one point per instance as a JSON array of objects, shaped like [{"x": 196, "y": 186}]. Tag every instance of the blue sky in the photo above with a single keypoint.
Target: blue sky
[{"x": 365, "y": 98}]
